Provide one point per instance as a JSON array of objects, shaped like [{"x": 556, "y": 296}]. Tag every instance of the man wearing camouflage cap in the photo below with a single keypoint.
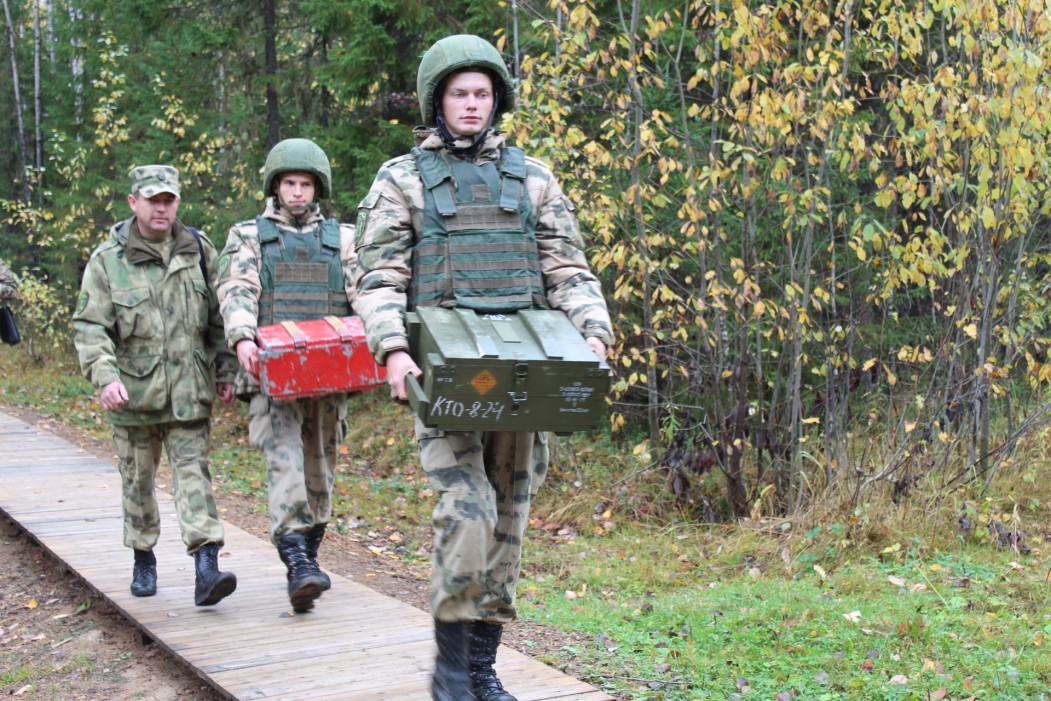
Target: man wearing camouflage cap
[
  {"x": 467, "y": 221},
  {"x": 291, "y": 264},
  {"x": 149, "y": 337}
]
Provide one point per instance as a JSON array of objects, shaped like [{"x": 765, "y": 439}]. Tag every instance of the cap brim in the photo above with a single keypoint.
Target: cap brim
[{"x": 154, "y": 190}]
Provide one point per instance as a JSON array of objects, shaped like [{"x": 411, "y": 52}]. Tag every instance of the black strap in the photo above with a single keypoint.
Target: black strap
[{"x": 200, "y": 247}]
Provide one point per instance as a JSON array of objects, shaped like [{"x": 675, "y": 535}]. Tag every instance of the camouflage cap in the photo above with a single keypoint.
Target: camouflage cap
[{"x": 153, "y": 180}]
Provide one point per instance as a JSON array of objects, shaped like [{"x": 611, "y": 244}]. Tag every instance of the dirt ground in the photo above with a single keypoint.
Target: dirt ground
[{"x": 59, "y": 642}]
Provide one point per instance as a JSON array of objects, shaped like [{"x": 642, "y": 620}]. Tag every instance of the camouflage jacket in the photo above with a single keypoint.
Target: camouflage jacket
[
  {"x": 157, "y": 329},
  {"x": 240, "y": 267},
  {"x": 390, "y": 219},
  {"x": 8, "y": 283}
]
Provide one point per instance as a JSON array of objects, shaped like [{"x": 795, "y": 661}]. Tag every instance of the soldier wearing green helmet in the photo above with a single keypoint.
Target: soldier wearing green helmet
[
  {"x": 467, "y": 221},
  {"x": 291, "y": 263}
]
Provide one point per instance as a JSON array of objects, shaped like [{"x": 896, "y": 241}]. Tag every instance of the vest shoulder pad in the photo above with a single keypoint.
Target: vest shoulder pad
[
  {"x": 266, "y": 230},
  {"x": 513, "y": 162}
]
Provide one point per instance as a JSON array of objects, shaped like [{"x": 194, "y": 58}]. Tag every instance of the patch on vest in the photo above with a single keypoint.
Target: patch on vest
[
  {"x": 482, "y": 217},
  {"x": 82, "y": 301},
  {"x": 299, "y": 271}
]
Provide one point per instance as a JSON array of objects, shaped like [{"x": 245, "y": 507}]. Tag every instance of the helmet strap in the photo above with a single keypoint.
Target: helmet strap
[
  {"x": 296, "y": 212},
  {"x": 456, "y": 145}
]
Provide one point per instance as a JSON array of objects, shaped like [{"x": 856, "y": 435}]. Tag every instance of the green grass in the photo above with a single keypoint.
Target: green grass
[
  {"x": 20, "y": 674},
  {"x": 867, "y": 602},
  {"x": 663, "y": 625}
]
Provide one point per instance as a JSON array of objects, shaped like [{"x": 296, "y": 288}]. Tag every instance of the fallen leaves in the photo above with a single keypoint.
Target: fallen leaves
[
  {"x": 578, "y": 594},
  {"x": 902, "y": 583}
]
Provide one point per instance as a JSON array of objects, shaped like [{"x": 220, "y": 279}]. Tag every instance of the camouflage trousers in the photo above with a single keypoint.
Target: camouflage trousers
[
  {"x": 485, "y": 483},
  {"x": 138, "y": 456},
  {"x": 300, "y": 439}
]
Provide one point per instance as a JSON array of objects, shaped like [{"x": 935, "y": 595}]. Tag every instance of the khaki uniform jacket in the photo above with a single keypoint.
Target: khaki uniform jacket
[
  {"x": 391, "y": 216},
  {"x": 240, "y": 270},
  {"x": 157, "y": 329}
]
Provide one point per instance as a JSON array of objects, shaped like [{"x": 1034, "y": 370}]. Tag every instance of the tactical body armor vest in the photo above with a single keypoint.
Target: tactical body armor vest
[
  {"x": 300, "y": 282},
  {"x": 478, "y": 246}
]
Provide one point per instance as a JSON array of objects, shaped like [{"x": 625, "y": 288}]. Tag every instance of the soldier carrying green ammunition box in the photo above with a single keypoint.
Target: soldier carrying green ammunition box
[{"x": 466, "y": 221}]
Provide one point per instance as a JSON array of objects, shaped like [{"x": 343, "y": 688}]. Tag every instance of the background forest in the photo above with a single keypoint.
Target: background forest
[{"x": 822, "y": 226}]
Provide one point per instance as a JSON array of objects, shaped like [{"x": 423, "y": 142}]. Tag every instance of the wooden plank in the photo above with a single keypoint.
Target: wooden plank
[{"x": 356, "y": 645}]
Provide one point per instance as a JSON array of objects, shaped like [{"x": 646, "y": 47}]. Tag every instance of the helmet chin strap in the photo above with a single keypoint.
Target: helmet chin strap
[
  {"x": 450, "y": 141},
  {"x": 296, "y": 212}
]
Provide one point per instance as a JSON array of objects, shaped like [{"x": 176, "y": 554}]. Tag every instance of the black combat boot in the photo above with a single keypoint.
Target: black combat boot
[
  {"x": 305, "y": 582},
  {"x": 485, "y": 638},
  {"x": 452, "y": 679},
  {"x": 314, "y": 538},
  {"x": 144, "y": 574},
  {"x": 212, "y": 585}
]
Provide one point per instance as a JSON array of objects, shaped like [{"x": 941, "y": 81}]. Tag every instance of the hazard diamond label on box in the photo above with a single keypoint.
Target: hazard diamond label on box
[{"x": 483, "y": 382}]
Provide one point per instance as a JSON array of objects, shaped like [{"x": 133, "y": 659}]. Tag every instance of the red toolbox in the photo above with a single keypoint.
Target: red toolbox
[{"x": 320, "y": 356}]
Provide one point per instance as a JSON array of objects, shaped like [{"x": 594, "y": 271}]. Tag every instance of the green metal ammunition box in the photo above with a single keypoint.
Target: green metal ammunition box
[{"x": 526, "y": 371}]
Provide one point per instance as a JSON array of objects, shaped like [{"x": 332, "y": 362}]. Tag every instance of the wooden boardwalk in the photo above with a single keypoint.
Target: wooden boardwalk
[{"x": 357, "y": 645}]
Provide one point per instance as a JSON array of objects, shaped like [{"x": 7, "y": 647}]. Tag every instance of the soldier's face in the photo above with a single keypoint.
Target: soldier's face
[
  {"x": 467, "y": 103},
  {"x": 154, "y": 215},
  {"x": 296, "y": 191}
]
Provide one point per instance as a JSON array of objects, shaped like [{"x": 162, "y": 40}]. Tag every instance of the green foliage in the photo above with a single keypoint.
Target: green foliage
[
  {"x": 44, "y": 315},
  {"x": 790, "y": 226}
]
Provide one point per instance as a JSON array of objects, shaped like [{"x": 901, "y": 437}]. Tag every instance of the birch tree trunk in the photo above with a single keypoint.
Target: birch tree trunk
[
  {"x": 38, "y": 150},
  {"x": 273, "y": 117},
  {"x": 638, "y": 113},
  {"x": 19, "y": 107},
  {"x": 52, "y": 40},
  {"x": 76, "y": 70}
]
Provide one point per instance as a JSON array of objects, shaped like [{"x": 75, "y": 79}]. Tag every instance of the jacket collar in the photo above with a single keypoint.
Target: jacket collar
[
  {"x": 489, "y": 151},
  {"x": 136, "y": 249}
]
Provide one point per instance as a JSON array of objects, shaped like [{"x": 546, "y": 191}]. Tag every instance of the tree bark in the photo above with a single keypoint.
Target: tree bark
[
  {"x": 273, "y": 116},
  {"x": 76, "y": 70},
  {"x": 326, "y": 94},
  {"x": 19, "y": 107},
  {"x": 38, "y": 150},
  {"x": 638, "y": 215}
]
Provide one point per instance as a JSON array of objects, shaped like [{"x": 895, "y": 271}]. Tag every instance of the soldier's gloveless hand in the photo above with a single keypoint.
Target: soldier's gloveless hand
[
  {"x": 596, "y": 344},
  {"x": 225, "y": 392},
  {"x": 399, "y": 365},
  {"x": 113, "y": 396},
  {"x": 248, "y": 356}
]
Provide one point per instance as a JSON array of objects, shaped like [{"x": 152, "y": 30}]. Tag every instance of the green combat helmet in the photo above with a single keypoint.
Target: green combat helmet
[
  {"x": 300, "y": 156},
  {"x": 456, "y": 53}
]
